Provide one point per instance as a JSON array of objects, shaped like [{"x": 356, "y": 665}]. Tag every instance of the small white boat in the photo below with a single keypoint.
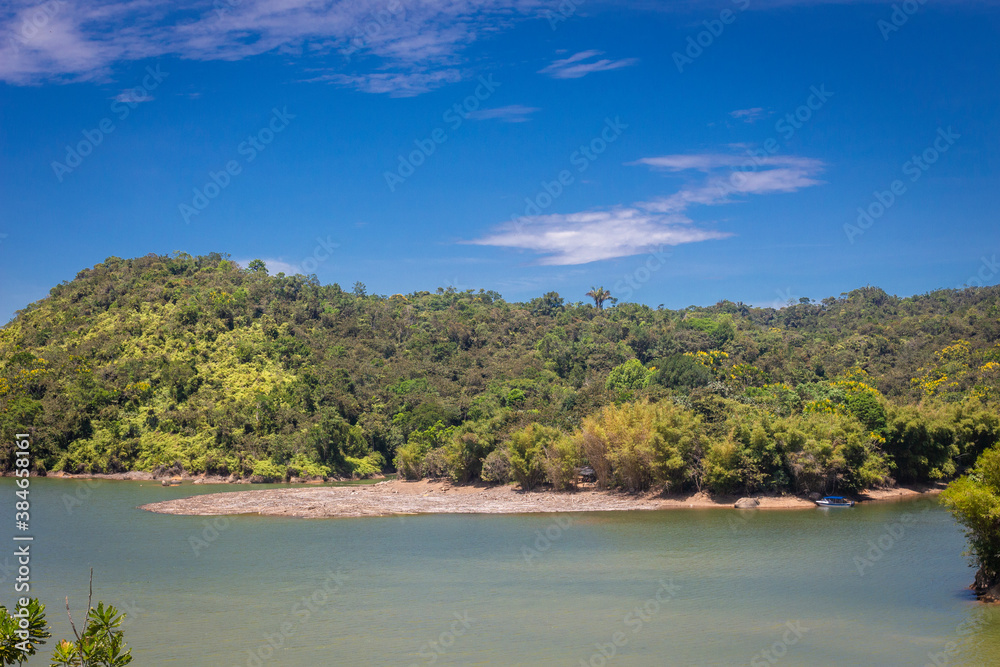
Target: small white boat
[{"x": 834, "y": 501}]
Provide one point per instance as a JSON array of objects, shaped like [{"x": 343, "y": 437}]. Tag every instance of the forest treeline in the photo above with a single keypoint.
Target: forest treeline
[{"x": 196, "y": 363}]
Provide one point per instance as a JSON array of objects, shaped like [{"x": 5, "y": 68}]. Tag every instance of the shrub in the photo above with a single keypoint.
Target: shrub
[
  {"x": 631, "y": 376},
  {"x": 496, "y": 467},
  {"x": 561, "y": 461},
  {"x": 975, "y": 502},
  {"x": 638, "y": 444},
  {"x": 465, "y": 454},
  {"x": 267, "y": 470},
  {"x": 682, "y": 372},
  {"x": 368, "y": 466},
  {"x": 300, "y": 466},
  {"x": 410, "y": 458},
  {"x": 435, "y": 464},
  {"x": 527, "y": 454}
]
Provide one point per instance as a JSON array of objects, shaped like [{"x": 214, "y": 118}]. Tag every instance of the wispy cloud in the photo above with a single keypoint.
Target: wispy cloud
[
  {"x": 748, "y": 115},
  {"x": 579, "y": 238},
  {"x": 711, "y": 161},
  {"x": 514, "y": 113},
  {"x": 590, "y": 236},
  {"x": 134, "y": 97},
  {"x": 395, "y": 84},
  {"x": 581, "y": 64},
  {"x": 732, "y": 176},
  {"x": 405, "y": 51}
]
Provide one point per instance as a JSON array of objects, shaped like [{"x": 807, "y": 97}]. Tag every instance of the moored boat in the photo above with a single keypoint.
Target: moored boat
[{"x": 834, "y": 501}]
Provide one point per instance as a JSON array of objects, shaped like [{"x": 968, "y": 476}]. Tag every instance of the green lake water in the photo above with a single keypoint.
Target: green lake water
[{"x": 677, "y": 587}]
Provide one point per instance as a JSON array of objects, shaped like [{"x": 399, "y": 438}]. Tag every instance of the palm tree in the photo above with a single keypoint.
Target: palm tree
[{"x": 600, "y": 295}]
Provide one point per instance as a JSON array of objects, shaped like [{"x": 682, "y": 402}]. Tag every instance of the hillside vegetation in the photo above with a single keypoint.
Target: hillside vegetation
[{"x": 163, "y": 361}]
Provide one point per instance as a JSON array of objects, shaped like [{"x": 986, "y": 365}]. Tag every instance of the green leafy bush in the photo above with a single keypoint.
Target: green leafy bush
[{"x": 267, "y": 470}]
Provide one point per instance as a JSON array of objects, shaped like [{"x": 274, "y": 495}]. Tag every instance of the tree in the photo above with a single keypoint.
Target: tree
[
  {"x": 526, "y": 451},
  {"x": 681, "y": 371},
  {"x": 549, "y": 304},
  {"x": 257, "y": 266},
  {"x": 628, "y": 378},
  {"x": 975, "y": 502},
  {"x": 600, "y": 295}
]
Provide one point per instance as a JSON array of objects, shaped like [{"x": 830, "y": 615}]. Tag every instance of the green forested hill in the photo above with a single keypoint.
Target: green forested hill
[{"x": 193, "y": 361}]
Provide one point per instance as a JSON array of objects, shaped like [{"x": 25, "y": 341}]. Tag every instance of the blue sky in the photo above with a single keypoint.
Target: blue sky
[{"x": 675, "y": 153}]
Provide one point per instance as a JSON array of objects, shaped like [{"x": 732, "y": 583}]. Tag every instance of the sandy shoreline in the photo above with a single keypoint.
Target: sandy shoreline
[
  {"x": 437, "y": 497},
  {"x": 185, "y": 478}
]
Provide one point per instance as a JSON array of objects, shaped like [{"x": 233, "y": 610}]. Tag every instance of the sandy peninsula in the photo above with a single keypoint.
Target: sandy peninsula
[{"x": 441, "y": 497}]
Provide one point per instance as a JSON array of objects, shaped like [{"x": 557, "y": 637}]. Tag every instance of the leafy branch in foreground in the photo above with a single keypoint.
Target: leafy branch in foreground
[
  {"x": 101, "y": 644},
  {"x": 975, "y": 502},
  {"x": 22, "y": 632}
]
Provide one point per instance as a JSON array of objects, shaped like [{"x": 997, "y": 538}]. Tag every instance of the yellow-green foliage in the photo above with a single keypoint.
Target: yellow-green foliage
[
  {"x": 368, "y": 466},
  {"x": 301, "y": 466},
  {"x": 975, "y": 502},
  {"x": 526, "y": 452},
  {"x": 163, "y": 361},
  {"x": 831, "y": 450},
  {"x": 638, "y": 444},
  {"x": 267, "y": 470}
]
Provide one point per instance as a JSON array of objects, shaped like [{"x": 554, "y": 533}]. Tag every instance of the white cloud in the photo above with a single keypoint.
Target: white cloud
[
  {"x": 134, "y": 96},
  {"x": 395, "y": 84},
  {"x": 745, "y": 175},
  {"x": 590, "y": 236},
  {"x": 410, "y": 46},
  {"x": 577, "y": 65},
  {"x": 579, "y": 238},
  {"x": 747, "y": 115},
  {"x": 701, "y": 162},
  {"x": 710, "y": 161},
  {"x": 514, "y": 113}
]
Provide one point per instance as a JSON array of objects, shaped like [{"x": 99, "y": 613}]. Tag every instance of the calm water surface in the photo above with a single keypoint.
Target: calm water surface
[{"x": 680, "y": 587}]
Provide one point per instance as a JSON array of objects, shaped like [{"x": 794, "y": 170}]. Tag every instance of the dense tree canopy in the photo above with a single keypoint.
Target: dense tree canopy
[{"x": 194, "y": 362}]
